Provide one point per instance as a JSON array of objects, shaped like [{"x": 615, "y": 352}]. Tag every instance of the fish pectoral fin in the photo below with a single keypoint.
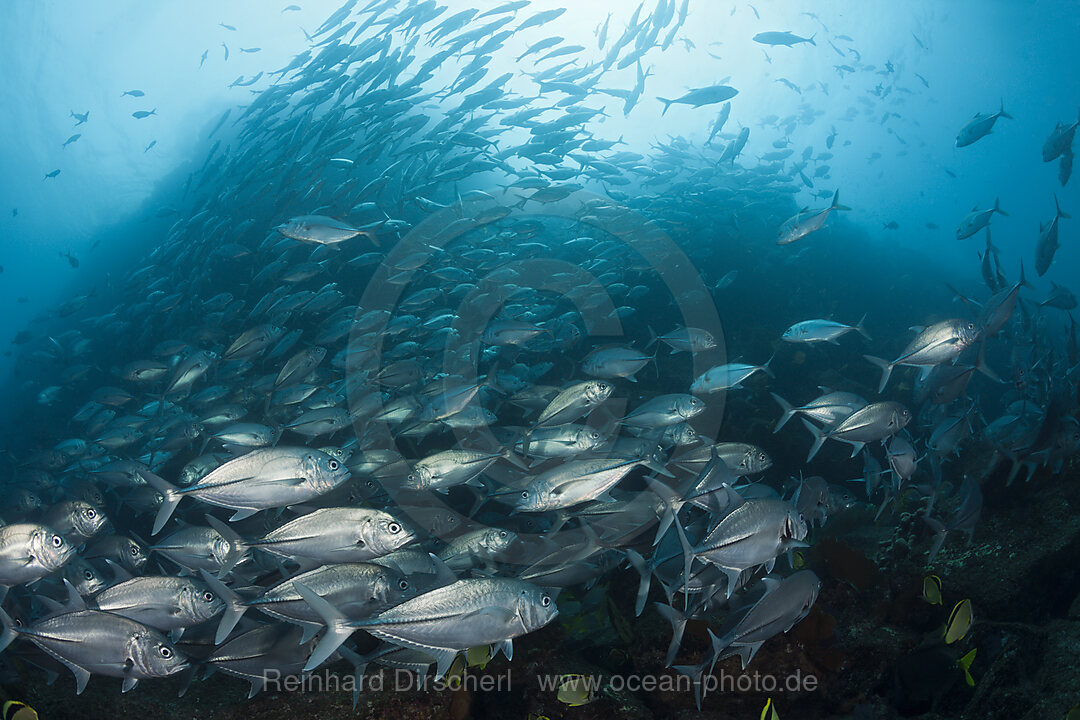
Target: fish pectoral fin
[
  {"x": 242, "y": 514},
  {"x": 130, "y": 681},
  {"x": 500, "y": 615}
]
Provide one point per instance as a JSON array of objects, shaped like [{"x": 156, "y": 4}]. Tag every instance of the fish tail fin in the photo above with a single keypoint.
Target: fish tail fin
[
  {"x": 788, "y": 410},
  {"x": 526, "y": 438},
  {"x": 687, "y": 551},
  {"x": 638, "y": 563},
  {"x": 170, "y": 498},
  {"x": 234, "y": 606},
  {"x": 1001, "y": 110},
  {"x": 768, "y": 370},
  {"x": 678, "y": 627},
  {"x": 337, "y": 626},
  {"x": 819, "y": 438},
  {"x": 1057, "y": 208},
  {"x": 886, "y": 370},
  {"x": 811, "y": 40},
  {"x": 860, "y": 328},
  {"x": 965, "y": 665},
  {"x": 652, "y": 338},
  {"x": 997, "y": 207},
  {"x": 667, "y": 104},
  {"x": 940, "y": 532},
  {"x": 981, "y": 366},
  {"x": 695, "y": 673},
  {"x": 9, "y": 633},
  {"x": 836, "y": 202},
  {"x": 1023, "y": 281}
]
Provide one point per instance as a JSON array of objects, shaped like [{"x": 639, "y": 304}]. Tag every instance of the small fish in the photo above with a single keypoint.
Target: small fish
[
  {"x": 807, "y": 221},
  {"x": 959, "y": 623},
  {"x": 132, "y": 93},
  {"x": 140, "y": 114},
  {"x": 577, "y": 690},
  {"x": 152, "y": 144},
  {"x": 227, "y": 27},
  {"x": 782, "y": 38},
  {"x": 965, "y": 666},
  {"x": 81, "y": 118},
  {"x": 16, "y": 710},
  {"x": 250, "y": 50},
  {"x": 203, "y": 58},
  {"x": 52, "y": 174},
  {"x": 226, "y": 51},
  {"x": 71, "y": 139},
  {"x": 892, "y": 225},
  {"x": 726, "y": 281},
  {"x": 769, "y": 711},
  {"x": 931, "y": 589},
  {"x": 319, "y": 230},
  {"x": 72, "y": 260},
  {"x": 979, "y": 127},
  {"x": 290, "y": 7}
]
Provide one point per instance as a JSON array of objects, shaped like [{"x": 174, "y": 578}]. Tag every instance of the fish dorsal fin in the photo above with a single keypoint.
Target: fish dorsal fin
[
  {"x": 120, "y": 574},
  {"x": 75, "y": 601}
]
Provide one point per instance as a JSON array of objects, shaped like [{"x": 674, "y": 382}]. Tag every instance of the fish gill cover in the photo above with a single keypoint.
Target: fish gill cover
[{"x": 571, "y": 350}]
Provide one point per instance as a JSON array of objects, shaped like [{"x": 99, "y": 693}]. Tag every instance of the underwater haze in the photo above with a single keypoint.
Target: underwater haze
[{"x": 525, "y": 358}]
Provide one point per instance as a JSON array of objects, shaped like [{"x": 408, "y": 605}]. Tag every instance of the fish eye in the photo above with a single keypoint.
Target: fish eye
[
  {"x": 761, "y": 457},
  {"x": 971, "y": 326},
  {"x": 165, "y": 652},
  {"x": 403, "y": 584},
  {"x": 502, "y": 533},
  {"x": 208, "y": 596},
  {"x": 394, "y": 528},
  {"x": 545, "y": 601},
  {"x": 333, "y": 464},
  {"x": 525, "y": 494},
  {"x": 134, "y": 550},
  {"x": 88, "y": 574},
  {"x": 91, "y": 513},
  {"x": 57, "y": 541},
  {"x": 594, "y": 435}
]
